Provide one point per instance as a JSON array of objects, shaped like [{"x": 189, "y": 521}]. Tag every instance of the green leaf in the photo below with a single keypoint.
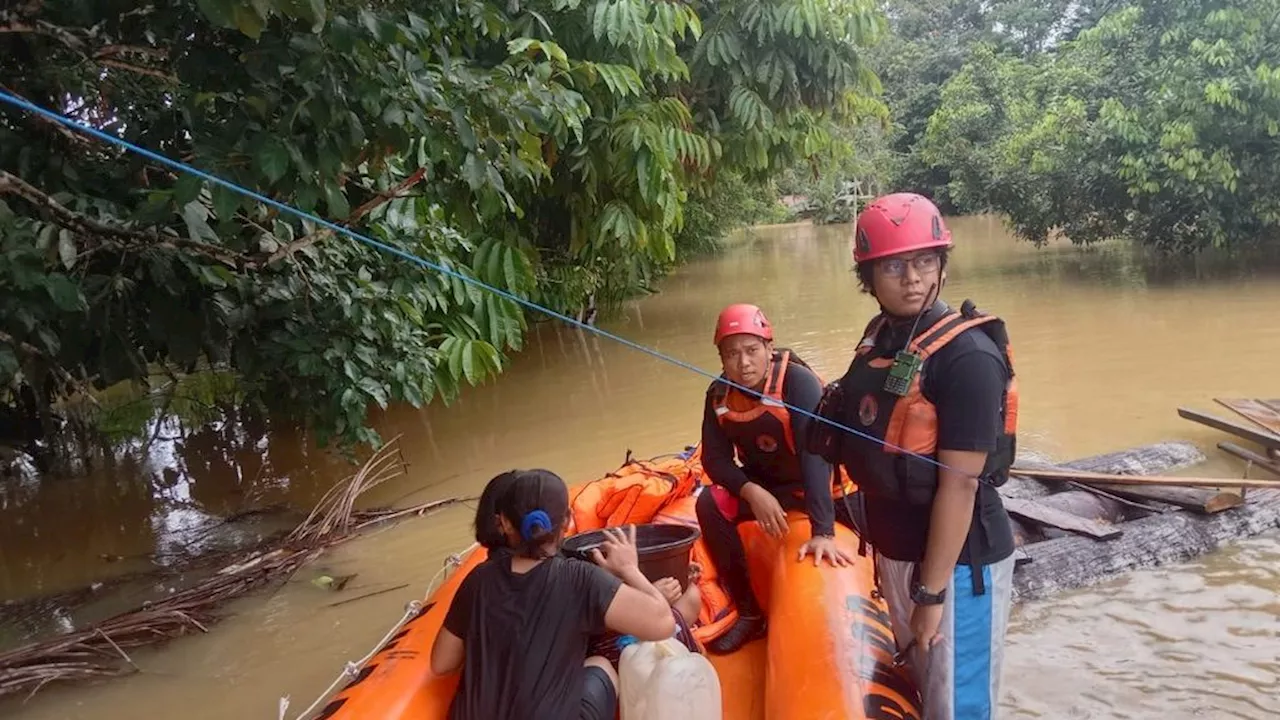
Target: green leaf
[
  {"x": 67, "y": 249},
  {"x": 47, "y": 236},
  {"x": 339, "y": 209},
  {"x": 473, "y": 371},
  {"x": 509, "y": 267},
  {"x": 473, "y": 171},
  {"x": 225, "y": 202},
  {"x": 455, "y": 349},
  {"x": 317, "y": 15},
  {"x": 218, "y": 11},
  {"x": 195, "y": 215},
  {"x": 247, "y": 20},
  {"x": 493, "y": 314},
  {"x": 273, "y": 159},
  {"x": 64, "y": 293},
  {"x": 465, "y": 134},
  {"x": 186, "y": 189},
  {"x": 413, "y": 395},
  {"x": 375, "y": 390}
]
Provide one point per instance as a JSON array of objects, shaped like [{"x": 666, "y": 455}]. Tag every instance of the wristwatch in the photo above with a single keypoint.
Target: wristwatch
[{"x": 921, "y": 595}]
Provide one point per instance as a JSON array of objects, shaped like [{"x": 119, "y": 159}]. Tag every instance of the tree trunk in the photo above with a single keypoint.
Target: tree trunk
[{"x": 1072, "y": 562}]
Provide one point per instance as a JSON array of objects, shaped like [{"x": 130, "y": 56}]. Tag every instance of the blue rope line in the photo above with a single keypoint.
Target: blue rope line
[{"x": 183, "y": 167}]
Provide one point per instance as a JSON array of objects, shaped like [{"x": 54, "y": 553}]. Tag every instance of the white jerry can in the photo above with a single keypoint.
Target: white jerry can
[{"x": 665, "y": 681}]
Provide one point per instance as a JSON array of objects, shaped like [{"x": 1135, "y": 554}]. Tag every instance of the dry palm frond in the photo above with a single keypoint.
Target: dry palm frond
[{"x": 99, "y": 651}]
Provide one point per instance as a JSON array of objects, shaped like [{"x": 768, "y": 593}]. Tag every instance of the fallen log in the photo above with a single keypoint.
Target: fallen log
[
  {"x": 1073, "y": 562},
  {"x": 1261, "y": 437},
  {"x": 1250, "y": 456},
  {"x": 1043, "y": 514}
]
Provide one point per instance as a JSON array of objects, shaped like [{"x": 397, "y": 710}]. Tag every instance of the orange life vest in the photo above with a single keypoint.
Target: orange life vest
[
  {"x": 634, "y": 493},
  {"x": 908, "y": 425},
  {"x": 760, "y": 427}
]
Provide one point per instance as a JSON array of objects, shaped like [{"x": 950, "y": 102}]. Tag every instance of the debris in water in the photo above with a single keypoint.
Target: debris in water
[
  {"x": 99, "y": 651},
  {"x": 327, "y": 582}
]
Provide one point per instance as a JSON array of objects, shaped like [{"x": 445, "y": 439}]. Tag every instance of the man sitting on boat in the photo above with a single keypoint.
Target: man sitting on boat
[
  {"x": 775, "y": 470},
  {"x": 931, "y": 391}
]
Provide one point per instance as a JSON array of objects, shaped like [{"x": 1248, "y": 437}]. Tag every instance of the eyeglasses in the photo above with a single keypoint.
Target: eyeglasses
[{"x": 897, "y": 267}]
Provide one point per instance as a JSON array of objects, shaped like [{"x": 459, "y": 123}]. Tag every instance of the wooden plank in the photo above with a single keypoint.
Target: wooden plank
[
  {"x": 1110, "y": 479},
  {"x": 1263, "y": 438},
  {"x": 1259, "y": 412},
  {"x": 1083, "y": 500},
  {"x": 1061, "y": 519},
  {"x": 1250, "y": 456},
  {"x": 1123, "y": 497},
  {"x": 1154, "y": 459},
  {"x": 1198, "y": 500}
]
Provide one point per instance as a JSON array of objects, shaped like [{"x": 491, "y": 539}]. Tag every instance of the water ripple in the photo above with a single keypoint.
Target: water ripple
[{"x": 1197, "y": 640}]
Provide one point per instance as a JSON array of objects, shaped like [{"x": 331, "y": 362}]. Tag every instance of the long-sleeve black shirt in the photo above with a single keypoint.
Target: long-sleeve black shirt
[{"x": 802, "y": 389}]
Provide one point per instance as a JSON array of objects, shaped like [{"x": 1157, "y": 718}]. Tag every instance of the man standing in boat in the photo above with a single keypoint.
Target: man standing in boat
[
  {"x": 931, "y": 393},
  {"x": 776, "y": 472}
]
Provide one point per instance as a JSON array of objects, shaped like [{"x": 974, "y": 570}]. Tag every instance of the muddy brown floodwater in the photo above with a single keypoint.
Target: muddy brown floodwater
[{"x": 1108, "y": 345}]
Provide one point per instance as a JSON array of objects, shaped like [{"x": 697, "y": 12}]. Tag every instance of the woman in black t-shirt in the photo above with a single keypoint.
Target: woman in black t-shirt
[{"x": 519, "y": 624}]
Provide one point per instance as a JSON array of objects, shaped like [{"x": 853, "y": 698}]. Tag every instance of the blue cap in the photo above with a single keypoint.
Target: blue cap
[{"x": 625, "y": 640}]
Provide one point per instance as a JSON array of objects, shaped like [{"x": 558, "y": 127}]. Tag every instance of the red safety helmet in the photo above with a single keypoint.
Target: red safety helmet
[
  {"x": 742, "y": 318},
  {"x": 898, "y": 223}
]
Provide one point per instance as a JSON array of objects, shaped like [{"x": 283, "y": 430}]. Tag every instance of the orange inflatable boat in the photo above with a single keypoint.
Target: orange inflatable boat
[{"x": 828, "y": 654}]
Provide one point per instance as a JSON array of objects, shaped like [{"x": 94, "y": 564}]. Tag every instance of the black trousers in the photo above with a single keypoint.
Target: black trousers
[{"x": 719, "y": 514}]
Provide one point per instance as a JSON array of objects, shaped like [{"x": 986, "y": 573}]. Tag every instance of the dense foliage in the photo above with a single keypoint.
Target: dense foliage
[
  {"x": 931, "y": 40},
  {"x": 1161, "y": 124},
  {"x": 547, "y": 147},
  {"x": 1154, "y": 121}
]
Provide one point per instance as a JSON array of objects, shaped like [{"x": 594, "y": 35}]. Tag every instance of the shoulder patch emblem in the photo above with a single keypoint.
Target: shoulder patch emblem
[{"x": 868, "y": 410}]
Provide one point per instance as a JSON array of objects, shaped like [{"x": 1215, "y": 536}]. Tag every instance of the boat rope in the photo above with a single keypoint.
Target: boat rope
[
  {"x": 24, "y": 104},
  {"x": 411, "y": 610}
]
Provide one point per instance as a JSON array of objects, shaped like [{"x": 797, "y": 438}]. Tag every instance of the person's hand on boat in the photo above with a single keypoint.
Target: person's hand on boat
[
  {"x": 619, "y": 548},
  {"x": 766, "y": 509},
  {"x": 670, "y": 589},
  {"x": 822, "y": 547},
  {"x": 925, "y": 621}
]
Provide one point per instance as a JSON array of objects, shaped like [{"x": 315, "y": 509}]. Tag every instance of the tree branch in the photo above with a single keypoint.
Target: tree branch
[
  {"x": 356, "y": 215},
  {"x": 14, "y": 185},
  {"x": 167, "y": 77},
  {"x": 35, "y": 352},
  {"x": 104, "y": 55},
  {"x": 112, "y": 50},
  {"x": 42, "y": 27},
  {"x": 57, "y": 127}
]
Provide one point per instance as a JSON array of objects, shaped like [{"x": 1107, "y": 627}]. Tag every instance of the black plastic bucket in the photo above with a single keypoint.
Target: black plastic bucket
[{"x": 663, "y": 550}]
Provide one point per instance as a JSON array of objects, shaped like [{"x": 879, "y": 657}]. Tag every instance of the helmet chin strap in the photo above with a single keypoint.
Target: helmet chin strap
[{"x": 931, "y": 297}]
